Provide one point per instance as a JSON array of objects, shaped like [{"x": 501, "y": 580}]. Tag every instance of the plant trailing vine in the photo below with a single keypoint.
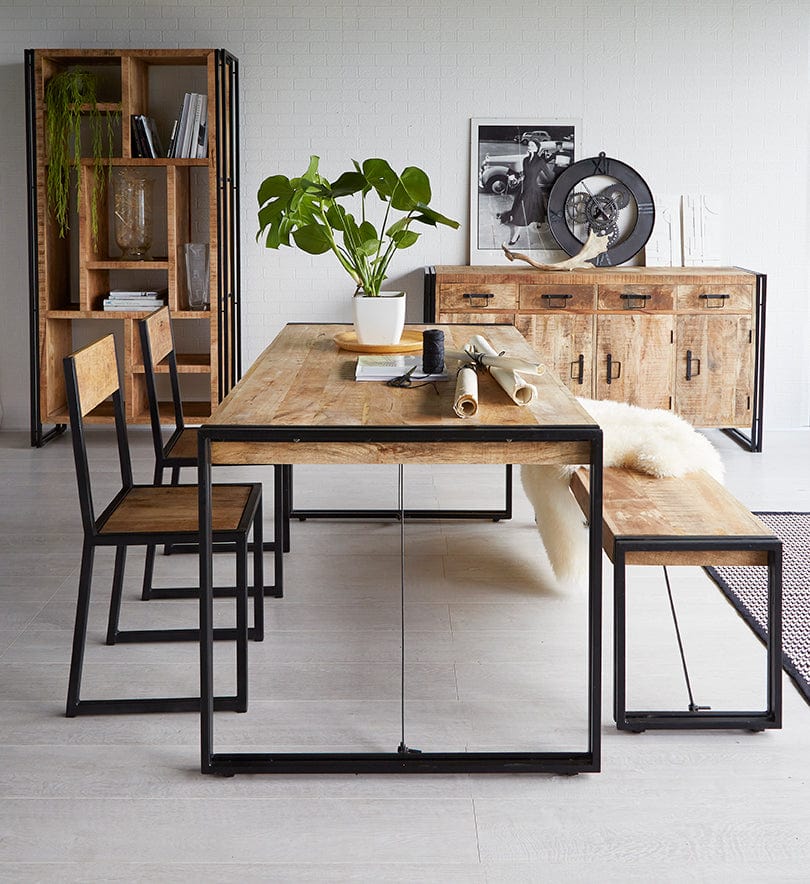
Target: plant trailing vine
[{"x": 70, "y": 95}]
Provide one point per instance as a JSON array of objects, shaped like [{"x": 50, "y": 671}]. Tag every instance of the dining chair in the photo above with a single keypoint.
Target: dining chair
[
  {"x": 145, "y": 515},
  {"x": 180, "y": 449}
]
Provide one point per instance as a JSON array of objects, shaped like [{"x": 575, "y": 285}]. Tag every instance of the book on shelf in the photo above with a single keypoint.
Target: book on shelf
[
  {"x": 171, "y": 150},
  {"x": 202, "y": 130},
  {"x": 151, "y": 136},
  {"x": 170, "y": 146},
  {"x": 133, "y": 304},
  {"x": 189, "y": 138},
  {"x": 181, "y": 122},
  {"x": 194, "y": 128},
  {"x": 386, "y": 367},
  {"x": 126, "y": 294},
  {"x": 139, "y": 146}
]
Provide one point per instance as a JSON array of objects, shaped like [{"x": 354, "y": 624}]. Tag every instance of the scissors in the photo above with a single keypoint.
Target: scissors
[{"x": 404, "y": 380}]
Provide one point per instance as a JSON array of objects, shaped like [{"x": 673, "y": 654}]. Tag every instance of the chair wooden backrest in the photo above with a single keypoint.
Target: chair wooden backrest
[
  {"x": 157, "y": 345},
  {"x": 91, "y": 377}
]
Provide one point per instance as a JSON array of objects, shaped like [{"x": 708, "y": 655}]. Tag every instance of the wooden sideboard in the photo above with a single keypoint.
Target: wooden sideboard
[{"x": 686, "y": 339}]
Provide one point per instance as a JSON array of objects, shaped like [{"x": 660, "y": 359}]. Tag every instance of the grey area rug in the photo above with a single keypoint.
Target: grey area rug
[{"x": 747, "y": 590}]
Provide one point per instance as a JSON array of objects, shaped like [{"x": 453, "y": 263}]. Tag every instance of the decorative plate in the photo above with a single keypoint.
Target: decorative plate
[{"x": 411, "y": 340}]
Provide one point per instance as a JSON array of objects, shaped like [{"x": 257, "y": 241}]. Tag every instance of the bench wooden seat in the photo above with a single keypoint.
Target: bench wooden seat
[{"x": 689, "y": 520}]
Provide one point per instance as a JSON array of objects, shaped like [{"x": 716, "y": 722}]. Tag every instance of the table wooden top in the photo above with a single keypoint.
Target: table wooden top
[{"x": 303, "y": 379}]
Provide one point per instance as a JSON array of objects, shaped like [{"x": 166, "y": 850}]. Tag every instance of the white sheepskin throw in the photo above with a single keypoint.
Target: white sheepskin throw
[{"x": 649, "y": 440}]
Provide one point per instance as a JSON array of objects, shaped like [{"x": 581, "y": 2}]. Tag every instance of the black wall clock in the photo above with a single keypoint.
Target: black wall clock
[{"x": 605, "y": 196}]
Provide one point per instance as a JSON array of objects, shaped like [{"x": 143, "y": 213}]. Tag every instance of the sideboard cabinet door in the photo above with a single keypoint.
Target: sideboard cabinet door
[
  {"x": 714, "y": 371},
  {"x": 634, "y": 359}
]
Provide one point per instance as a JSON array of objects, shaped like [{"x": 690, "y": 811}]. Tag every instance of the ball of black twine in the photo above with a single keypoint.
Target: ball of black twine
[{"x": 433, "y": 351}]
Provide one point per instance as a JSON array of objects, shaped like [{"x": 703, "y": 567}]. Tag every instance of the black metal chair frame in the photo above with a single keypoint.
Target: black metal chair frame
[
  {"x": 165, "y": 460},
  {"x": 93, "y": 537}
]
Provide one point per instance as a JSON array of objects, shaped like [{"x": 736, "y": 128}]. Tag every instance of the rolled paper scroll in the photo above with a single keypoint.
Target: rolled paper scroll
[
  {"x": 511, "y": 378},
  {"x": 465, "y": 402},
  {"x": 500, "y": 361}
]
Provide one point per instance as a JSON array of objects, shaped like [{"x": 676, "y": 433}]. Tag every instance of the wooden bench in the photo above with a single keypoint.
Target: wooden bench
[{"x": 691, "y": 520}]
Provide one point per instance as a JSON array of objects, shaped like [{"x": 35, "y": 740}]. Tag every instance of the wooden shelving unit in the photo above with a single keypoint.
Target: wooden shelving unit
[{"x": 195, "y": 200}]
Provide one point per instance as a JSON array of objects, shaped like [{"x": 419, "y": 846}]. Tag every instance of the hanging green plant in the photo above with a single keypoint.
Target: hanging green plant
[{"x": 70, "y": 95}]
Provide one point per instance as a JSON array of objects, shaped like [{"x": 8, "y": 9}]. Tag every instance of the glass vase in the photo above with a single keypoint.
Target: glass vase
[{"x": 133, "y": 214}]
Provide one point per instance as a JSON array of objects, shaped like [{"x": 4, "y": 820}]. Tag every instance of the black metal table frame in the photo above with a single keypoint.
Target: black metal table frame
[{"x": 560, "y": 762}]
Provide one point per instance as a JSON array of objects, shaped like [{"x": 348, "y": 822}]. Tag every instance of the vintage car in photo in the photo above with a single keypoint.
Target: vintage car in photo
[{"x": 501, "y": 173}]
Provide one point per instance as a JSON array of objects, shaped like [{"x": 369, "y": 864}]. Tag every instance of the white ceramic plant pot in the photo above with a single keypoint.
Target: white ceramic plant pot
[{"x": 379, "y": 320}]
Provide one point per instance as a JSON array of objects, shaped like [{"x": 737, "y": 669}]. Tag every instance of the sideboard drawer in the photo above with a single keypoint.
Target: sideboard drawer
[
  {"x": 557, "y": 297},
  {"x": 477, "y": 296},
  {"x": 715, "y": 297},
  {"x": 636, "y": 297}
]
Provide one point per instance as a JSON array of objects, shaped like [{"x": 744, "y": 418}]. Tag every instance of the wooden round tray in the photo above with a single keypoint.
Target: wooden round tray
[{"x": 411, "y": 340}]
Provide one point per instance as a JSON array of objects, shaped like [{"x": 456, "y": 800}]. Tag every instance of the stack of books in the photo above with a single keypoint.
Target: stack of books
[
  {"x": 388, "y": 367},
  {"x": 122, "y": 299},
  {"x": 145, "y": 139},
  {"x": 190, "y": 131}
]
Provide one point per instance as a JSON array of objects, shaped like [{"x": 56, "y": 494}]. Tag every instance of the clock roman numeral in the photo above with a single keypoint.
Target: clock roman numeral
[{"x": 601, "y": 165}]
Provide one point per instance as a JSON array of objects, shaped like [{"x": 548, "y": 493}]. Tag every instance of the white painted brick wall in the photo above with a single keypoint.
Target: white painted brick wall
[{"x": 699, "y": 96}]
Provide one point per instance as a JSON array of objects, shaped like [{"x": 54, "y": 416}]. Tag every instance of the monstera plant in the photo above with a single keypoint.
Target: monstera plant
[{"x": 363, "y": 217}]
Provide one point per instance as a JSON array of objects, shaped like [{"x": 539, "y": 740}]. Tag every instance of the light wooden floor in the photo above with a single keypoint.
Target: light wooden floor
[{"x": 493, "y": 661}]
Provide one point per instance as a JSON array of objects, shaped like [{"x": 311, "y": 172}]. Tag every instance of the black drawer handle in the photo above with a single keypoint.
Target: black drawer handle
[
  {"x": 709, "y": 298},
  {"x": 478, "y": 296},
  {"x": 691, "y": 361},
  {"x": 630, "y": 297},
  {"x": 552, "y": 297},
  {"x": 578, "y": 366},
  {"x": 610, "y": 363}
]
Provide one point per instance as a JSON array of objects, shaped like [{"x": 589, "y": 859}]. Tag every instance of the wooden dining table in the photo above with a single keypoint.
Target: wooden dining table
[{"x": 299, "y": 404}]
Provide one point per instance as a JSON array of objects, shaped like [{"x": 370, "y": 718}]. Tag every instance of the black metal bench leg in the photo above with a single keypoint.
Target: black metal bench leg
[
  {"x": 117, "y": 590},
  {"x": 619, "y": 637},
  {"x": 80, "y": 629},
  {"x": 775, "y": 634},
  {"x": 258, "y": 575}
]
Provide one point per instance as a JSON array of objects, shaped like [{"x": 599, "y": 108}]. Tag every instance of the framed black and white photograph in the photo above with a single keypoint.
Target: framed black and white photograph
[{"x": 514, "y": 164}]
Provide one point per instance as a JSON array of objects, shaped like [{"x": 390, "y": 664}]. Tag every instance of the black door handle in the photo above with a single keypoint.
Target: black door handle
[
  {"x": 690, "y": 363},
  {"x": 579, "y": 366},
  {"x": 486, "y": 297},
  {"x": 610, "y": 363},
  {"x": 551, "y": 296},
  {"x": 710, "y": 297}
]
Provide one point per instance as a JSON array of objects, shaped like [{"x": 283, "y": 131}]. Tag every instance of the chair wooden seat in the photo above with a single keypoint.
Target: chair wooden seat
[
  {"x": 171, "y": 509},
  {"x": 685, "y": 520},
  {"x": 182, "y": 449}
]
